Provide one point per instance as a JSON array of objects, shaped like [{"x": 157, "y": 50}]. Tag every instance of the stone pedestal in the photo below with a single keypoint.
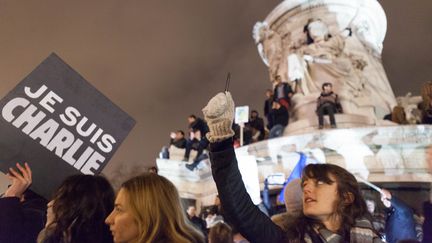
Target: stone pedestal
[{"x": 380, "y": 154}]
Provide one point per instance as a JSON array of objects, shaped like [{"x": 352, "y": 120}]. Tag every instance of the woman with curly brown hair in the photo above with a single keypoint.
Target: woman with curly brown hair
[
  {"x": 333, "y": 206},
  {"x": 78, "y": 210},
  {"x": 148, "y": 210}
]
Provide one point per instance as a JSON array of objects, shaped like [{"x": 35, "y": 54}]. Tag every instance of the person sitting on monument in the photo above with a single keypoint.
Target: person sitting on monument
[
  {"x": 280, "y": 118},
  {"x": 333, "y": 207},
  {"x": 327, "y": 103},
  {"x": 426, "y": 105},
  {"x": 178, "y": 139},
  {"x": 426, "y": 111},
  {"x": 398, "y": 115},
  {"x": 256, "y": 124},
  {"x": 176, "y": 146},
  {"x": 197, "y": 124},
  {"x": 268, "y": 104},
  {"x": 282, "y": 92}
]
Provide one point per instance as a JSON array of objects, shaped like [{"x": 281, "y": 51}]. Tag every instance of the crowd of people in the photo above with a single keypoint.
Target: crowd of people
[
  {"x": 147, "y": 208},
  {"x": 420, "y": 114},
  {"x": 85, "y": 209},
  {"x": 277, "y": 108}
]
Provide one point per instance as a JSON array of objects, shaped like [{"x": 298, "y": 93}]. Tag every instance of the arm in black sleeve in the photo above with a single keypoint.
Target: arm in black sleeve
[
  {"x": 278, "y": 112},
  {"x": 318, "y": 103},
  {"x": 251, "y": 222},
  {"x": 18, "y": 223},
  {"x": 11, "y": 219}
]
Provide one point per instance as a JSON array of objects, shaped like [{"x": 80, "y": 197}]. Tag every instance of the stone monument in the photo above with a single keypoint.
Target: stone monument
[{"x": 310, "y": 42}]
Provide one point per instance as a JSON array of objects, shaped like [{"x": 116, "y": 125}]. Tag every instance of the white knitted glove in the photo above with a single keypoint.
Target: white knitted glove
[{"x": 219, "y": 114}]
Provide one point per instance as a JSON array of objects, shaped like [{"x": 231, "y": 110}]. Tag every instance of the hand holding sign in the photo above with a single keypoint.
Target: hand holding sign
[
  {"x": 219, "y": 114},
  {"x": 20, "y": 180}
]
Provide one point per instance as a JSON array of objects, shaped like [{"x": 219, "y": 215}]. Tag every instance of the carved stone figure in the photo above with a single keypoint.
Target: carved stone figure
[
  {"x": 325, "y": 61},
  {"x": 270, "y": 45}
]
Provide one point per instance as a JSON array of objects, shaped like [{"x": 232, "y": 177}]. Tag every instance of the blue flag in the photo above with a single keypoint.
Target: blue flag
[{"x": 296, "y": 173}]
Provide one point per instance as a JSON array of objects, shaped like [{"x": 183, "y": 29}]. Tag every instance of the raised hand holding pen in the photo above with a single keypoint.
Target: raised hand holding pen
[{"x": 227, "y": 82}]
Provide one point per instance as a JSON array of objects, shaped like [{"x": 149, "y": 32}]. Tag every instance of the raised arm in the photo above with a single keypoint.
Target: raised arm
[
  {"x": 21, "y": 216},
  {"x": 251, "y": 222}
]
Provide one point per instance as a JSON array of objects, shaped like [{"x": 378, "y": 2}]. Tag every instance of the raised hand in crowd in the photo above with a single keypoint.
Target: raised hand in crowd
[
  {"x": 219, "y": 115},
  {"x": 21, "y": 180},
  {"x": 22, "y": 212}
]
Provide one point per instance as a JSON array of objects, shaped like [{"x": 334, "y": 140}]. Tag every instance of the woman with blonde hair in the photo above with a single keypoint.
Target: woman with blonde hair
[{"x": 148, "y": 209}]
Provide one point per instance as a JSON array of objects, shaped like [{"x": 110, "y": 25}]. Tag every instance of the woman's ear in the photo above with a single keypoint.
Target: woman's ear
[{"x": 348, "y": 198}]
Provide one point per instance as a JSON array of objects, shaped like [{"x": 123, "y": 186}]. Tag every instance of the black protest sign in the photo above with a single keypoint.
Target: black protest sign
[{"x": 60, "y": 124}]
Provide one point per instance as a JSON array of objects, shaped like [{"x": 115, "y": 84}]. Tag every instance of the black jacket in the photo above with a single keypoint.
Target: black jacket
[
  {"x": 21, "y": 222},
  {"x": 329, "y": 98},
  {"x": 201, "y": 125},
  {"x": 181, "y": 143},
  {"x": 286, "y": 91},
  {"x": 251, "y": 222},
  {"x": 258, "y": 124}
]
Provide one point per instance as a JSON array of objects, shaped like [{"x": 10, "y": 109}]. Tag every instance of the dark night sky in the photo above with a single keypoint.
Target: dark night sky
[{"x": 162, "y": 60}]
